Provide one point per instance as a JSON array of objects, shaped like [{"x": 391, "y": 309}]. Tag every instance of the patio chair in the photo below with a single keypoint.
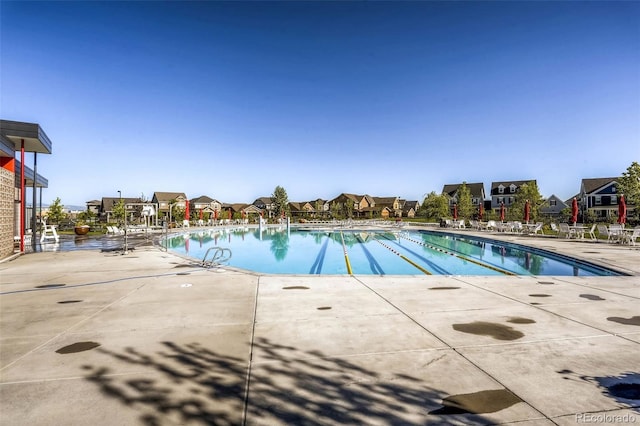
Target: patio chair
[
  {"x": 591, "y": 232},
  {"x": 491, "y": 225},
  {"x": 537, "y": 228},
  {"x": 632, "y": 237},
  {"x": 603, "y": 231},
  {"x": 565, "y": 230},
  {"x": 616, "y": 233}
]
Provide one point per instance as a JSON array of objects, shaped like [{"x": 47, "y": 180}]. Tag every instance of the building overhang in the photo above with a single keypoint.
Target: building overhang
[
  {"x": 41, "y": 182},
  {"x": 6, "y": 147},
  {"x": 35, "y": 139}
]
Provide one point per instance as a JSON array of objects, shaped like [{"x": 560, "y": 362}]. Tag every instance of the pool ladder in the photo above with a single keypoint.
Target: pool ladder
[{"x": 220, "y": 255}]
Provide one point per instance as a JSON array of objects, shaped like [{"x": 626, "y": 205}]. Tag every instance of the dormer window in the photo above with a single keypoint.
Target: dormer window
[
  {"x": 500, "y": 189},
  {"x": 512, "y": 188}
]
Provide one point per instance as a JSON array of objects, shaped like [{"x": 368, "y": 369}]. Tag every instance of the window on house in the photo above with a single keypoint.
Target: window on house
[
  {"x": 500, "y": 200},
  {"x": 598, "y": 200},
  {"x": 512, "y": 188},
  {"x": 552, "y": 202},
  {"x": 501, "y": 189}
]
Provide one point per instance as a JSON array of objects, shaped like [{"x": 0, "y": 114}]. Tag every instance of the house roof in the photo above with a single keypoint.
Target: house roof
[
  {"x": 476, "y": 189},
  {"x": 202, "y": 199},
  {"x": 168, "y": 196},
  {"x": 109, "y": 202},
  {"x": 385, "y": 201},
  {"x": 507, "y": 183},
  {"x": 265, "y": 200},
  {"x": 593, "y": 184},
  {"x": 408, "y": 205}
]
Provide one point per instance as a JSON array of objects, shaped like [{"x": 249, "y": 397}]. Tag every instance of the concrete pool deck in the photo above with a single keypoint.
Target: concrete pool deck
[{"x": 150, "y": 338}]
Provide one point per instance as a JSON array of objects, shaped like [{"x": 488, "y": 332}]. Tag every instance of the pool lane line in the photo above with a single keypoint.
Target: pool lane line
[
  {"x": 346, "y": 256},
  {"x": 316, "y": 268},
  {"x": 403, "y": 257},
  {"x": 441, "y": 250},
  {"x": 373, "y": 263}
]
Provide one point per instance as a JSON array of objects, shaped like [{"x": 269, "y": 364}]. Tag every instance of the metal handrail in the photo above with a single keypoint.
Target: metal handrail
[{"x": 220, "y": 255}]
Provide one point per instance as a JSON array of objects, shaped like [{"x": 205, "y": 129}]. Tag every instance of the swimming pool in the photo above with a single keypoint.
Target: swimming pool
[{"x": 282, "y": 251}]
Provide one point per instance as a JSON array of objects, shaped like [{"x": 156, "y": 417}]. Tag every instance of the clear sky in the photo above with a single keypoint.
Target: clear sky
[{"x": 232, "y": 99}]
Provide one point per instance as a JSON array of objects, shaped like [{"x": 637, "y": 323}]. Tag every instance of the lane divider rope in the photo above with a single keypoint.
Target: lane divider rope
[
  {"x": 441, "y": 250},
  {"x": 404, "y": 257},
  {"x": 346, "y": 256}
]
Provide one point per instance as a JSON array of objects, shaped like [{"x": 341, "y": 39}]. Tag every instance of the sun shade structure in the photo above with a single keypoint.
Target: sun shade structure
[{"x": 17, "y": 136}]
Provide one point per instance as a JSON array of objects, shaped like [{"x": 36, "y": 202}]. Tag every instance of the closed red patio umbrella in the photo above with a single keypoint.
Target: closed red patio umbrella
[
  {"x": 455, "y": 212},
  {"x": 215, "y": 214},
  {"x": 622, "y": 210},
  {"x": 200, "y": 214},
  {"x": 480, "y": 211},
  {"x": 527, "y": 211},
  {"x": 186, "y": 210},
  {"x": 574, "y": 210},
  {"x": 229, "y": 215},
  {"x": 502, "y": 211}
]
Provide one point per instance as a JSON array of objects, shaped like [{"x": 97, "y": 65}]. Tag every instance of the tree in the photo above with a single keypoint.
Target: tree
[
  {"x": 86, "y": 216},
  {"x": 528, "y": 191},
  {"x": 280, "y": 201},
  {"x": 56, "y": 212},
  {"x": 349, "y": 209},
  {"x": 465, "y": 204},
  {"x": 118, "y": 211},
  {"x": 435, "y": 206},
  {"x": 629, "y": 185}
]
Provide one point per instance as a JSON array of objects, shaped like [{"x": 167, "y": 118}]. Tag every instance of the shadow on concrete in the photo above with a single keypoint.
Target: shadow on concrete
[{"x": 190, "y": 384}]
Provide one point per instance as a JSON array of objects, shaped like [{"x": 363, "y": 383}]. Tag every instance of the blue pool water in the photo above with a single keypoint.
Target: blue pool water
[{"x": 278, "y": 251}]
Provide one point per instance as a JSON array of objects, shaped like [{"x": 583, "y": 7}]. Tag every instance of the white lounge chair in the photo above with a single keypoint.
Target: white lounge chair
[
  {"x": 565, "y": 230},
  {"x": 616, "y": 233},
  {"x": 633, "y": 236},
  {"x": 591, "y": 232}
]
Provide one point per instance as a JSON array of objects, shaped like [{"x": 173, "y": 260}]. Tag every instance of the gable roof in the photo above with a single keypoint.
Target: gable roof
[
  {"x": 508, "y": 183},
  {"x": 264, "y": 200},
  {"x": 385, "y": 201},
  {"x": 109, "y": 202},
  {"x": 168, "y": 196},
  {"x": 476, "y": 189},
  {"x": 591, "y": 185},
  {"x": 202, "y": 199}
]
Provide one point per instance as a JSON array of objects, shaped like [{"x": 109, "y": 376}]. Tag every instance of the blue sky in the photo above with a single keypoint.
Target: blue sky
[{"x": 386, "y": 98}]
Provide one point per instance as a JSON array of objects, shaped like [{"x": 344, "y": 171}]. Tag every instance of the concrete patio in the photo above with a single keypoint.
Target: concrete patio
[{"x": 149, "y": 338}]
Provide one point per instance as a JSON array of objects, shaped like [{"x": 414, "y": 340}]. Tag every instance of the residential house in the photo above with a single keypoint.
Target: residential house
[
  {"x": 320, "y": 207},
  {"x": 302, "y": 209},
  {"x": 265, "y": 204},
  {"x": 506, "y": 192},
  {"x": 360, "y": 204},
  {"x": 342, "y": 202},
  {"x": 205, "y": 204},
  {"x": 166, "y": 200},
  {"x": 392, "y": 204},
  {"x": 475, "y": 189},
  {"x": 599, "y": 197},
  {"x": 108, "y": 203},
  {"x": 409, "y": 208},
  {"x": 94, "y": 206},
  {"x": 553, "y": 206}
]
